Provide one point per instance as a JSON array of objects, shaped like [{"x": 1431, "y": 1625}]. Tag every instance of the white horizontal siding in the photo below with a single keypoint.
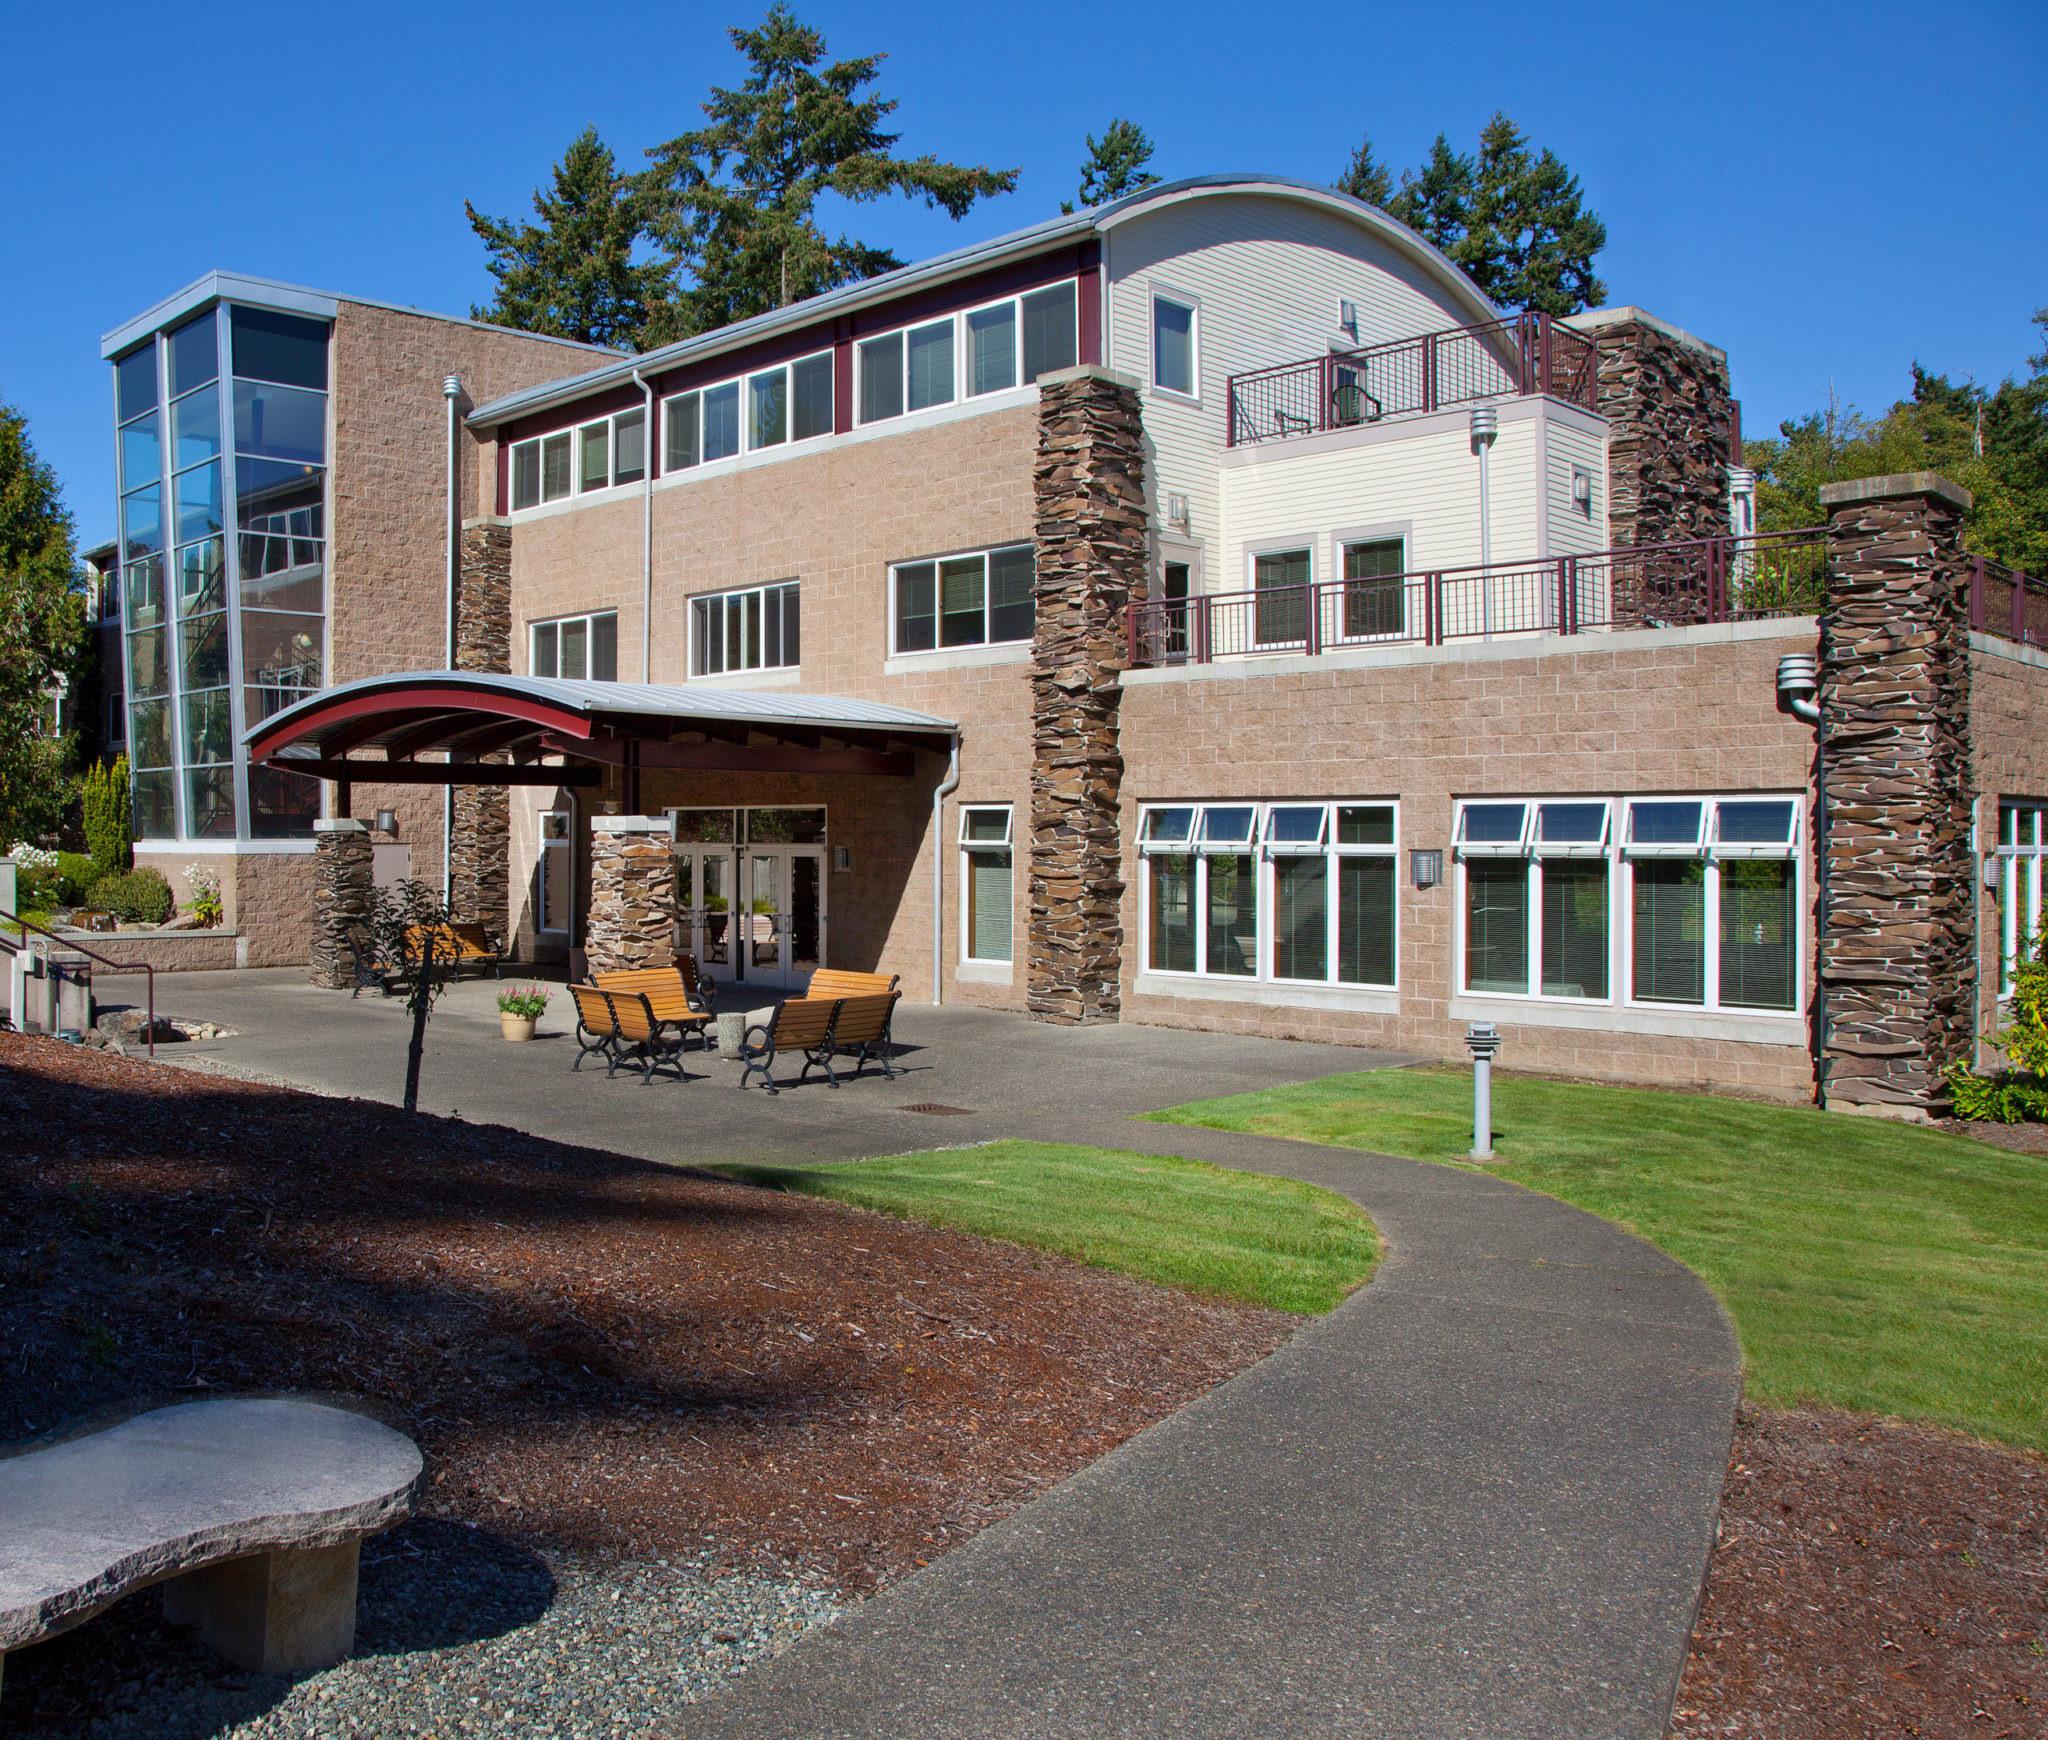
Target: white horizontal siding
[
  {"x": 1573, "y": 533},
  {"x": 1267, "y": 275}
]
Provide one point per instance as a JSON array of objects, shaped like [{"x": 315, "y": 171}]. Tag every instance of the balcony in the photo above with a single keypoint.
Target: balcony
[
  {"x": 1657, "y": 586},
  {"x": 1529, "y": 354}
]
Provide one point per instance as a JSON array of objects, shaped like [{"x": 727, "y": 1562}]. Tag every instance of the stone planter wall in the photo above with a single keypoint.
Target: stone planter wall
[
  {"x": 1091, "y": 557},
  {"x": 631, "y": 923},
  {"x": 480, "y": 844},
  {"x": 1897, "y": 950},
  {"x": 341, "y": 898}
]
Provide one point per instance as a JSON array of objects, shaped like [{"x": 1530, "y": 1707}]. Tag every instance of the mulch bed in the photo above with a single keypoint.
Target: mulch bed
[
  {"x": 592, "y": 1351},
  {"x": 1872, "y": 1578}
]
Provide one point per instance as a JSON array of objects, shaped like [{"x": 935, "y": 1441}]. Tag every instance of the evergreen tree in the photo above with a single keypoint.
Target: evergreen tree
[
  {"x": 42, "y": 632},
  {"x": 1515, "y": 221},
  {"x": 732, "y": 204},
  {"x": 1115, "y": 165},
  {"x": 105, "y": 816},
  {"x": 572, "y": 275},
  {"x": 1367, "y": 178}
]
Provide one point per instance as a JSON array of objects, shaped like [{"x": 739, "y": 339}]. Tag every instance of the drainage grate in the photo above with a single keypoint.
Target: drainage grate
[{"x": 937, "y": 1111}]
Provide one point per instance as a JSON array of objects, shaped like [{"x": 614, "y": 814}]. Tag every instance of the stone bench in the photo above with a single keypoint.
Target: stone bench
[{"x": 249, "y": 1511}]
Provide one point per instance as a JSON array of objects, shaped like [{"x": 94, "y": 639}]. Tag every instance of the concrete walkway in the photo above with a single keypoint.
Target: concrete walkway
[{"x": 1476, "y": 1500}]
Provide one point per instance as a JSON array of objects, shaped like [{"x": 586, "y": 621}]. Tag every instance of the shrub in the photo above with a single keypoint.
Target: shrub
[
  {"x": 2019, "y": 1093},
  {"x": 76, "y": 873},
  {"x": 204, "y": 881},
  {"x": 37, "y": 880},
  {"x": 105, "y": 806},
  {"x": 141, "y": 896}
]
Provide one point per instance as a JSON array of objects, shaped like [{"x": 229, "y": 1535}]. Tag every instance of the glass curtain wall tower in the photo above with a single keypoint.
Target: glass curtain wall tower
[{"x": 222, "y": 447}]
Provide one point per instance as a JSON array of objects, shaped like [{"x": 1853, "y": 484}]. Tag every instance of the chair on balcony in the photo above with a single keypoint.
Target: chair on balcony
[
  {"x": 1287, "y": 423},
  {"x": 1351, "y": 404}
]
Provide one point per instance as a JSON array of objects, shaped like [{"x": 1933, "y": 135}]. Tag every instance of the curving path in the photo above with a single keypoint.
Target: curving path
[{"x": 1475, "y": 1500}]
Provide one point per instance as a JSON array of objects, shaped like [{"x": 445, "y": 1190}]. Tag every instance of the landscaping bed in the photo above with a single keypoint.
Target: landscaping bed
[{"x": 601, "y": 1358}]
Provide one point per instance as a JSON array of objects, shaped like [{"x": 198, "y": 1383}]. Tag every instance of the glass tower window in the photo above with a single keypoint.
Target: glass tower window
[{"x": 224, "y": 579}]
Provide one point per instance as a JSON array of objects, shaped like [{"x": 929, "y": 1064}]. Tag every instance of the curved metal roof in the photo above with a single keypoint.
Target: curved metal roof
[{"x": 979, "y": 257}]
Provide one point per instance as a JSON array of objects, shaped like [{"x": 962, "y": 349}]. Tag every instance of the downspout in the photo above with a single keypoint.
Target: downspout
[
  {"x": 451, "y": 390},
  {"x": 940, "y": 793},
  {"x": 1799, "y": 695},
  {"x": 646, "y": 528}
]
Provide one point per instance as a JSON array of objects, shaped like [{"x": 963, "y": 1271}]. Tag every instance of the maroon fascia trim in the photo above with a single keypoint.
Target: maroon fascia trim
[{"x": 1081, "y": 260}]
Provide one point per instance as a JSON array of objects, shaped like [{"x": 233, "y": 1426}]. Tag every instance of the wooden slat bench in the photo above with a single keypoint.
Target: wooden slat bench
[
  {"x": 802, "y": 1024},
  {"x": 667, "y": 990},
  {"x": 838, "y": 982},
  {"x": 861, "y": 1030},
  {"x": 462, "y": 945},
  {"x": 250, "y": 1513},
  {"x": 624, "y": 1028}
]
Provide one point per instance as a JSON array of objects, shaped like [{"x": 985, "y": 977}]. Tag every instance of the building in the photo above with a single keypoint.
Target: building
[{"x": 1206, "y": 609}]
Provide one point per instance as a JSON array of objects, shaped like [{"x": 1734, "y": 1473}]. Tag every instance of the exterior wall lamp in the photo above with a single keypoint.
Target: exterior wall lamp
[
  {"x": 1425, "y": 867},
  {"x": 387, "y": 822}
]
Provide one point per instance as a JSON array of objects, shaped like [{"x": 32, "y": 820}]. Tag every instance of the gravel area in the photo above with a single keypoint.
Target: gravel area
[{"x": 462, "y": 1632}]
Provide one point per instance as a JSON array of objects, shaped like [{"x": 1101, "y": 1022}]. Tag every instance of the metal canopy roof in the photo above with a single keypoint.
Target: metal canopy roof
[{"x": 465, "y": 715}]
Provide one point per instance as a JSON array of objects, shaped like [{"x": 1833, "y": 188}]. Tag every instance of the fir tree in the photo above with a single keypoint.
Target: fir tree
[
  {"x": 572, "y": 275},
  {"x": 732, "y": 204},
  {"x": 1367, "y": 178},
  {"x": 105, "y": 816},
  {"x": 42, "y": 632},
  {"x": 1115, "y": 165}
]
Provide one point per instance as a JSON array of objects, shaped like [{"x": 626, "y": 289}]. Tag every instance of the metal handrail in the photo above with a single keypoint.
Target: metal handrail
[{"x": 29, "y": 924}]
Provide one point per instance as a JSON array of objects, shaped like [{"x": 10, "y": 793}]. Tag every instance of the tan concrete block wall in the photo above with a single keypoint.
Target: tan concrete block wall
[
  {"x": 2008, "y": 759},
  {"x": 1609, "y": 714},
  {"x": 834, "y": 521},
  {"x": 271, "y": 905},
  {"x": 388, "y": 539}
]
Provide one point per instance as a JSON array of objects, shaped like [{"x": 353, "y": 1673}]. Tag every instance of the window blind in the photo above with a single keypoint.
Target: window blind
[{"x": 988, "y": 905}]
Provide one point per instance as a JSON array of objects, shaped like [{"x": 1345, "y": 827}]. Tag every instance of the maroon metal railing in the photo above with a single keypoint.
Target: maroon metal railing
[
  {"x": 1655, "y": 586},
  {"x": 24, "y": 925},
  {"x": 1530, "y": 353},
  {"x": 2008, "y": 603}
]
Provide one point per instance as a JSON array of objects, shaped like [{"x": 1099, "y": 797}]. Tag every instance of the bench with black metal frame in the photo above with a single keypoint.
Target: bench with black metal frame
[
  {"x": 370, "y": 967},
  {"x": 625, "y": 1029},
  {"x": 801, "y": 1024},
  {"x": 667, "y": 991},
  {"x": 861, "y": 1031},
  {"x": 842, "y": 982}
]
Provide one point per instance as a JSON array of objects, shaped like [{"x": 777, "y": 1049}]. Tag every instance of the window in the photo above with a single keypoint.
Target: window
[
  {"x": 980, "y": 599},
  {"x": 553, "y": 879},
  {"x": 1281, "y": 580},
  {"x": 770, "y": 408},
  {"x": 906, "y": 371},
  {"x": 1050, "y": 331},
  {"x": 597, "y": 455},
  {"x": 1543, "y": 898},
  {"x": 1007, "y": 344},
  {"x": 1374, "y": 599},
  {"x": 1290, "y": 893},
  {"x": 577, "y": 648},
  {"x": 541, "y": 469},
  {"x": 2022, "y": 839},
  {"x": 1173, "y": 345},
  {"x": 987, "y": 878},
  {"x": 758, "y": 629}
]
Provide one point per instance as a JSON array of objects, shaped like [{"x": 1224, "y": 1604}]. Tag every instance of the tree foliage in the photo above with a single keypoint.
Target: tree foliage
[
  {"x": 42, "y": 632},
  {"x": 1515, "y": 220},
  {"x": 732, "y": 205},
  {"x": 1115, "y": 164},
  {"x": 105, "y": 816},
  {"x": 573, "y": 275},
  {"x": 1995, "y": 444}
]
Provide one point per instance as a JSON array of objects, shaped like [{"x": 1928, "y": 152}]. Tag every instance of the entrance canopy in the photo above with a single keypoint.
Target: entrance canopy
[{"x": 377, "y": 729}]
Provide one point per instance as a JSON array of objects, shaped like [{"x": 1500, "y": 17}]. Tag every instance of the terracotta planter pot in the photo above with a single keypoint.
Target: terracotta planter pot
[{"x": 516, "y": 1026}]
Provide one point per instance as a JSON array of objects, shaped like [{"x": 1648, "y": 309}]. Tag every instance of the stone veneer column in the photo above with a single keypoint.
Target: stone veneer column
[
  {"x": 1091, "y": 559},
  {"x": 480, "y": 835},
  {"x": 342, "y": 878},
  {"x": 1898, "y": 944},
  {"x": 632, "y": 918}
]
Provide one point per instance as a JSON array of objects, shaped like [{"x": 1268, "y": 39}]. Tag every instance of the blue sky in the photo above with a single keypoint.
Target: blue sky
[{"x": 1829, "y": 192}]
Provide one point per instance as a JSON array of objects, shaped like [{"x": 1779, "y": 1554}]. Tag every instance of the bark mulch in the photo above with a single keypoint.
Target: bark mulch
[
  {"x": 592, "y": 1351},
  {"x": 1872, "y": 1578}
]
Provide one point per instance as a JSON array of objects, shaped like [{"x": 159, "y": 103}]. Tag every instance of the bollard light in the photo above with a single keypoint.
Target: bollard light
[{"x": 1482, "y": 1039}]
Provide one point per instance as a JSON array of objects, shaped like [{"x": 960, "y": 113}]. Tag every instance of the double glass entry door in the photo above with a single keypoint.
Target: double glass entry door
[{"x": 755, "y": 915}]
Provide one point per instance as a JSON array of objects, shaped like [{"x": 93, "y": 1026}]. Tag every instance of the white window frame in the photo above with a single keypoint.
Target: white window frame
[
  {"x": 555, "y": 843},
  {"x": 1191, "y": 395},
  {"x": 968, "y": 848},
  {"x": 860, "y": 369},
  {"x": 748, "y": 598},
  {"x": 744, "y": 385},
  {"x": 539, "y": 445},
  {"x": 2019, "y": 881},
  {"x": 589, "y": 618},
  {"x": 1621, "y": 855},
  {"x": 963, "y": 376},
  {"x": 1265, "y": 853},
  {"x": 938, "y": 648}
]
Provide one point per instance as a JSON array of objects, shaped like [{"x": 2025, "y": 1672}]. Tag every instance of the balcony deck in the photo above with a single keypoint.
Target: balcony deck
[{"x": 1529, "y": 354}]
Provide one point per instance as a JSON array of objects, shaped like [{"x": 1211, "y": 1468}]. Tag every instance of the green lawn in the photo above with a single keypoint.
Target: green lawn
[
  {"x": 1867, "y": 1264},
  {"x": 1183, "y": 1223}
]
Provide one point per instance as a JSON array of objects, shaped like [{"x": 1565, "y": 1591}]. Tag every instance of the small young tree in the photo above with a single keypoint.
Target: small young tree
[
  {"x": 1115, "y": 164},
  {"x": 1367, "y": 177},
  {"x": 411, "y": 927},
  {"x": 105, "y": 817}
]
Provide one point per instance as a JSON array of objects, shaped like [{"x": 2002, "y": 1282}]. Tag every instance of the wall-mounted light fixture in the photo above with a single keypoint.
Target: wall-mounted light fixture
[
  {"x": 387, "y": 822},
  {"x": 1426, "y": 868},
  {"x": 1177, "y": 511},
  {"x": 1347, "y": 318},
  {"x": 1582, "y": 490},
  {"x": 842, "y": 857}
]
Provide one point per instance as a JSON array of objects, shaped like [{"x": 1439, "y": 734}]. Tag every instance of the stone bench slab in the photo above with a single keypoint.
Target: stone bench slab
[{"x": 257, "y": 1506}]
